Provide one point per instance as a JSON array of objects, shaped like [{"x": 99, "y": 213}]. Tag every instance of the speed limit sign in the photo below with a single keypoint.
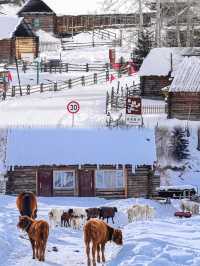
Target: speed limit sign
[{"x": 73, "y": 107}]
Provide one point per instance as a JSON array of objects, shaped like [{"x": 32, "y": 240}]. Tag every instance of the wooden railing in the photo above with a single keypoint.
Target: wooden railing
[
  {"x": 89, "y": 80},
  {"x": 71, "y": 46},
  {"x": 66, "y": 67}
]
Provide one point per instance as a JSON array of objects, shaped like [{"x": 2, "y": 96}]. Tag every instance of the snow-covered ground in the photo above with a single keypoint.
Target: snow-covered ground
[
  {"x": 49, "y": 109},
  {"x": 165, "y": 240}
]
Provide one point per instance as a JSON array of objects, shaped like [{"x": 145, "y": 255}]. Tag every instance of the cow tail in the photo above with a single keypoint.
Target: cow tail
[{"x": 27, "y": 205}]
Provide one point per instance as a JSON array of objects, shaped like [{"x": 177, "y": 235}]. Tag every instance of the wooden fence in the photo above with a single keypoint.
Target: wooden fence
[
  {"x": 57, "y": 86},
  {"x": 104, "y": 34},
  {"x": 66, "y": 67},
  {"x": 71, "y": 46},
  {"x": 116, "y": 100}
]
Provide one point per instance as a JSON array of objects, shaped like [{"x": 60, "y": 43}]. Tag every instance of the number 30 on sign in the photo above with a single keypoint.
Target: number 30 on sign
[{"x": 73, "y": 107}]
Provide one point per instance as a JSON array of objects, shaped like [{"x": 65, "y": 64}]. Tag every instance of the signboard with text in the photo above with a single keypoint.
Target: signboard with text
[{"x": 134, "y": 110}]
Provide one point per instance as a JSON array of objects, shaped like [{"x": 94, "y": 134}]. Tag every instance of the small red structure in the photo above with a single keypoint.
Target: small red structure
[
  {"x": 183, "y": 214},
  {"x": 112, "y": 56},
  {"x": 5, "y": 78}
]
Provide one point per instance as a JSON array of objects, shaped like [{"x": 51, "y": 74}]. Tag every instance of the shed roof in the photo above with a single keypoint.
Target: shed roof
[
  {"x": 158, "y": 61},
  {"x": 9, "y": 25},
  {"x": 187, "y": 78},
  {"x": 34, "y": 147}
]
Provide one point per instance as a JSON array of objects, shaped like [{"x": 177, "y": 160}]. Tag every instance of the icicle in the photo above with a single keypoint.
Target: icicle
[
  {"x": 98, "y": 167},
  {"x": 117, "y": 166},
  {"x": 79, "y": 167}
]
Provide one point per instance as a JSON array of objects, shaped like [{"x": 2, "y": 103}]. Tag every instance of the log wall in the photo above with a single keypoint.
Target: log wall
[
  {"x": 184, "y": 105},
  {"x": 26, "y": 45},
  {"x": 47, "y": 22},
  {"x": 138, "y": 184},
  {"x": 151, "y": 86},
  {"x": 7, "y": 50},
  {"x": 21, "y": 179}
]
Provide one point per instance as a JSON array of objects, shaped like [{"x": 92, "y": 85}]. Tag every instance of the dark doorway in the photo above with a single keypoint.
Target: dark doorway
[
  {"x": 45, "y": 183},
  {"x": 86, "y": 183}
]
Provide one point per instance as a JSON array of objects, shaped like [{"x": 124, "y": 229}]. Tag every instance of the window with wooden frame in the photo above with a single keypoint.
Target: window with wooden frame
[
  {"x": 109, "y": 179},
  {"x": 36, "y": 23},
  {"x": 63, "y": 179}
]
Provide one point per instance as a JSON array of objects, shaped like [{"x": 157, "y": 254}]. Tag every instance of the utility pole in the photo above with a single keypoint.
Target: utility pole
[
  {"x": 141, "y": 22},
  {"x": 178, "y": 39},
  {"x": 158, "y": 23},
  {"x": 20, "y": 88},
  {"x": 189, "y": 22}
]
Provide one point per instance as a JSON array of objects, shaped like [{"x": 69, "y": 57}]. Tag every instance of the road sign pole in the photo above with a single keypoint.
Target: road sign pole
[{"x": 72, "y": 120}]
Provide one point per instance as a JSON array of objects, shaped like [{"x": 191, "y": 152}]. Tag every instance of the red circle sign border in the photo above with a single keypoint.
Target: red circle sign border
[{"x": 76, "y": 104}]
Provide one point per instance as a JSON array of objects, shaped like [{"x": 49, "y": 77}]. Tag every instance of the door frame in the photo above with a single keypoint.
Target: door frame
[
  {"x": 37, "y": 182},
  {"x": 93, "y": 182}
]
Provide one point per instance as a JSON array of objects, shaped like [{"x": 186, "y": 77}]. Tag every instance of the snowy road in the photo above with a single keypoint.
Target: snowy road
[{"x": 163, "y": 241}]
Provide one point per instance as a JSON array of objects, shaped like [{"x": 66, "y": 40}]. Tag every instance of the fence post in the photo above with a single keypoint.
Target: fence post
[
  {"x": 4, "y": 94},
  {"x": 50, "y": 69},
  {"x": 41, "y": 87},
  {"x": 112, "y": 97},
  {"x": 13, "y": 91},
  {"x": 83, "y": 80},
  {"x": 66, "y": 67},
  {"x": 69, "y": 83},
  {"x": 60, "y": 68},
  {"x": 107, "y": 66},
  {"x": 28, "y": 89},
  {"x": 87, "y": 67},
  {"x": 95, "y": 78},
  {"x": 55, "y": 86},
  {"x": 107, "y": 75},
  {"x": 107, "y": 101}
]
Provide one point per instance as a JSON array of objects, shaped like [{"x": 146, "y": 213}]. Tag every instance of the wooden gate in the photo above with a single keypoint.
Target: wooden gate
[
  {"x": 45, "y": 183},
  {"x": 86, "y": 183}
]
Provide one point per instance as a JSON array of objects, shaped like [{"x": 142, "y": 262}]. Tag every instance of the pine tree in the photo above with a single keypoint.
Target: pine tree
[
  {"x": 179, "y": 144},
  {"x": 144, "y": 45}
]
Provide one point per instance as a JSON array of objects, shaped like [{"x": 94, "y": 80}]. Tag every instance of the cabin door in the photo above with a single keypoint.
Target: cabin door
[
  {"x": 86, "y": 183},
  {"x": 45, "y": 183}
]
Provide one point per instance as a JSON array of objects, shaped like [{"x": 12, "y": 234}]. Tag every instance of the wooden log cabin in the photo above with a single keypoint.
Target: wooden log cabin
[
  {"x": 62, "y": 18},
  {"x": 16, "y": 40},
  {"x": 86, "y": 163},
  {"x": 184, "y": 92},
  {"x": 157, "y": 69}
]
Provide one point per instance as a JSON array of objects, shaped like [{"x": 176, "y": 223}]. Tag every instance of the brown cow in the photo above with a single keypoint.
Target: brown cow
[
  {"x": 92, "y": 213},
  {"x": 38, "y": 232},
  {"x": 27, "y": 204},
  {"x": 98, "y": 232}
]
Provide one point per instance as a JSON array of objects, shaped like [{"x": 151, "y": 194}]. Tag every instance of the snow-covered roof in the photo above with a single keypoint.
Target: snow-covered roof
[
  {"x": 180, "y": 187},
  {"x": 46, "y": 37},
  {"x": 187, "y": 77},
  {"x": 62, "y": 146},
  {"x": 9, "y": 9},
  {"x": 8, "y": 26},
  {"x": 77, "y": 7},
  {"x": 158, "y": 61}
]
